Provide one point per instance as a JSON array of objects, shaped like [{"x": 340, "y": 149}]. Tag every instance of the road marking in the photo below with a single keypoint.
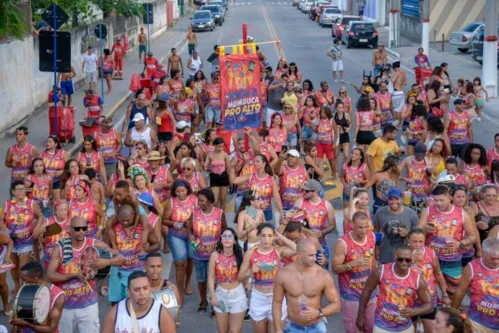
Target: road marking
[{"x": 273, "y": 34}]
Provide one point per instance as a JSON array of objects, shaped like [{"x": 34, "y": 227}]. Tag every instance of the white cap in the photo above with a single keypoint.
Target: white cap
[
  {"x": 182, "y": 124},
  {"x": 294, "y": 152},
  {"x": 137, "y": 117}
]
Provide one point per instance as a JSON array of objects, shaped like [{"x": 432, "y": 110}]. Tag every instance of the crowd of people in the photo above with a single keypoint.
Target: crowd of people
[{"x": 406, "y": 258}]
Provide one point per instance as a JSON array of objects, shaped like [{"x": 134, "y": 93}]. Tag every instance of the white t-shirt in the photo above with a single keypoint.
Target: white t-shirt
[
  {"x": 336, "y": 52},
  {"x": 90, "y": 61}
]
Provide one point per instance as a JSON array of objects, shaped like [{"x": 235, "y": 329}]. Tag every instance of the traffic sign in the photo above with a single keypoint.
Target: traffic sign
[
  {"x": 46, "y": 51},
  {"x": 60, "y": 16},
  {"x": 148, "y": 16},
  {"x": 103, "y": 30}
]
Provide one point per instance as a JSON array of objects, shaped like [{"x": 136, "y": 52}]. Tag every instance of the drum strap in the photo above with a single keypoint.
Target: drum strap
[
  {"x": 67, "y": 250},
  {"x": 133, "y": 317}
]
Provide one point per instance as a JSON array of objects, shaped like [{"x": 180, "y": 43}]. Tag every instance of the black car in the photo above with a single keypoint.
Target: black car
[
  {"x": 216, "y": 12},
  {"x": 360, "y": 33},
  {"x": 477, "y": 46}
]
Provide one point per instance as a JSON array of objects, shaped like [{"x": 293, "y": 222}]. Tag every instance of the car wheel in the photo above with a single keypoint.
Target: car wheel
[{"x": 462, "y": 50}]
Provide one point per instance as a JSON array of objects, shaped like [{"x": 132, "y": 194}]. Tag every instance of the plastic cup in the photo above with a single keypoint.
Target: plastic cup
[{"x": 407, "y": 197}]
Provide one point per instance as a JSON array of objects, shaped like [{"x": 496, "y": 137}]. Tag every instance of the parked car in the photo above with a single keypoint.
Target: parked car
[
  {"x": 477, "y": 45},
  {"x": 306, "y": 5},
  {"x": 338, "y": 27},
  {"x": 330, "y": 16},
  {"x": 314, "y": 9},
  {"x": 223, "y": 3},
  {"x": 202, "y": 20},
  {"x": 216, "y": 12},
  {"x": 463, "y": 39},
  {"x": 296, "y": 3},
  {"x": 360, "y": 33}
]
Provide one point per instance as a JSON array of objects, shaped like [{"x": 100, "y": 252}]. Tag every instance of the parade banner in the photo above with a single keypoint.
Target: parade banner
[{"x": 240, "y": 93}]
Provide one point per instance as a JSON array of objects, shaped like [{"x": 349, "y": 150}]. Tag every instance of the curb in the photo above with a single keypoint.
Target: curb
[
  {"x": 78, "y": 144},
  {"x": 392, "y": 53}
]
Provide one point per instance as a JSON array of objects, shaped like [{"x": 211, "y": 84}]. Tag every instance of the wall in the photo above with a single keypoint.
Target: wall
[
  {"x": 446, "y": 16},
  {"x": 23, "y": 87}
]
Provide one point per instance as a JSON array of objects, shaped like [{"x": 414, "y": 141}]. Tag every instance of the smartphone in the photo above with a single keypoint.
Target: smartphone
[
  {"x": 284, "y": 148},
  {"x": 252, "y": 66},
  {"x": 227, "y": 64}
]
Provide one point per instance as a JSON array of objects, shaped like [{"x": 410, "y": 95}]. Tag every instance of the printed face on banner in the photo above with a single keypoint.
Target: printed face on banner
[{"x": 240, "y": 91}]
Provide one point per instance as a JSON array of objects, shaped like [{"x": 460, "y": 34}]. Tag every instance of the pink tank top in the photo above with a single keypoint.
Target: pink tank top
[
  {"x": 325, "y": 131},
  {"x": 87, "y": 211},
  {"x": 217, "y": 167},
  {"x": 226, "y": 269},
  {"x": 54, "y": 162},
  {"x": 21, "y": 161},
  {"x": 448, "y": 226},
  {"x": 262, "y": 187}
]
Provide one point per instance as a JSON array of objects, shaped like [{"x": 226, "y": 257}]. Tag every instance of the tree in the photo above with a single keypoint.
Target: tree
[
  {"x": 125, "y": 8},
  {"x": 12, "y": 23}
]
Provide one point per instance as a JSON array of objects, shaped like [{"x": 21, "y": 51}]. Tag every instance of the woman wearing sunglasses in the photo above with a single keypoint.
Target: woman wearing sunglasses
[
  {"x": 83, "y": 205},
  {"x": 72, "y": 174},
  {"x": 140, "y": 156},
  {"x": 229, "y": 299},
  {"x": 486, "y": 211},
  {"x": 54, "y": 158},
  {"x": 190, "y": 174},
  {"x": 39, "y": 186},
  {"x": 261, "y": 264},
  {"x": 347, "y": 100}
]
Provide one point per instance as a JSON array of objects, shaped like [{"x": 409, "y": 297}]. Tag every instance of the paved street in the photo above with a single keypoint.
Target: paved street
[{"x": 301, "y": 41}]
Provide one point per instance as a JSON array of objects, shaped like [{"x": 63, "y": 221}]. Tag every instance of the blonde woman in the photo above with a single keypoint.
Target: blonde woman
[
  {"x": 291, "y": 123},
  {"x": 347, "y": 101}
]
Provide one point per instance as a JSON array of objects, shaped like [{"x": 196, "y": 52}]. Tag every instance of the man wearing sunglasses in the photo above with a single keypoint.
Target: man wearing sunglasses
[
  {"x": 399, "y": 287},
  {"x": 81, "y": 310},
  {"x": 444, "y": 224}
]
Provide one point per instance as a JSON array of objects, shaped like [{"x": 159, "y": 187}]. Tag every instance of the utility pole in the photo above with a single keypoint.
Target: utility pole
[
  {"x": 489, "y": 68},
  {"x": 425, "y": 43},
  {"x": 394, "y": 23}
]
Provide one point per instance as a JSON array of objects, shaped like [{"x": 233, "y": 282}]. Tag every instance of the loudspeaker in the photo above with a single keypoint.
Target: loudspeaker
[
  {"x": 46, "y": 51},
  {"x": 148, "y": 16}
]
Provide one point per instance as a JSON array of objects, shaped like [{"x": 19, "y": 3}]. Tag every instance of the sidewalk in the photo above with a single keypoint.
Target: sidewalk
[{"x": 38, "y": 122}]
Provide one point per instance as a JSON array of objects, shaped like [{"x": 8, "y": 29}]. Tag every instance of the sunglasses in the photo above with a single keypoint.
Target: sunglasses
[
  {"x": 309, "y": 191},
  {"x": 188, "y": 169},
  {"x": 140, "y": 148},
  {"x": 227, "y": 236},
  {"x": 78, "y": 229},
  {"x": 407, "y": 260}
]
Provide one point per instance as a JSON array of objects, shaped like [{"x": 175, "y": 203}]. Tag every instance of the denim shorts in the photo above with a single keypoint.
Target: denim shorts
[
  {"x": 292, "y": 139},
  {"x": 319, "y": 327},
  {"x": 212, "y": 114},
  {"x": 180, "y": 248},
  {"x": 201, "y": 267},
  {"x": 308, "y": 134}
]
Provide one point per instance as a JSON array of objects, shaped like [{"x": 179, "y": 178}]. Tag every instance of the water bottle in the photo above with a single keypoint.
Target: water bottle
[{"x": 303, "y": 303}]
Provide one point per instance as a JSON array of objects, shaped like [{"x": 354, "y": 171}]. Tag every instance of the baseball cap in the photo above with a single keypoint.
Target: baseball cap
[
  {"x": 394, "y": 193},
  {"x": 163, "y": 97},
  {"x": 312, "y": 185},
  {"x": 138, "y": 117},
  {"x": 149, "y": 54},
  {"x": 420, "y": 149},
  {"x": 181, "y": 124},
  {"x": 146, "y": 199},
  {"x": 458, "y": 101},
  {"x": 294, "y": 152}
]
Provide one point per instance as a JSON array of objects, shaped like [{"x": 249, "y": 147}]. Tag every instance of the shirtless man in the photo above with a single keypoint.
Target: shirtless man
[
  {"x": 304, "y": 299},
  {"x": 380, "y": 59},
  {"x": 65, "y": 82},
  {"x": 399, "y": 79},
  {"x": 142, "y": 39},
  {"x": 191, "y": 40},
  {"x": 175, "y": 63}
]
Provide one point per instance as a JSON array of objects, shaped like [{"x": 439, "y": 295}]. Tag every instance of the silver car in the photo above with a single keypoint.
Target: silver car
[
  {"x": 463, "y": 39},
  {"x": 330, "y": 16}
]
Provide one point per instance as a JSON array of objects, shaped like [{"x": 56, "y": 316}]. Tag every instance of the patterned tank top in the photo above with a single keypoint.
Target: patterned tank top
[
  {"x": 484, "y": 294},
  {"x": 128, "y": 242},
  {"x": 87, "y": 211},
  {"x": 448, "y": 226},
  {"x": 325, "y": 131},
  {"x": 54, "y": 163},
  {"x": 19, "y": 220},
  {"x": 226, "y": 269},
  {"x": 291, "y": 183},
  {"x": 424, "y": 266},
  {"x": 21, "y": 161},
  {"x": 207, "y": 229},
  {"x": 270, "y": 263},
  {"x": 263, "y": 188},
  {"x": 181, "y": 212}
]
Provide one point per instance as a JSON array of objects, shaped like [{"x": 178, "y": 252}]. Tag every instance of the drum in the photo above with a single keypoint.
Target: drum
[
  {"x": 169, "y": 300},
  {"x": 89, "y": 259},
  {"x": 32, "y": 303}
]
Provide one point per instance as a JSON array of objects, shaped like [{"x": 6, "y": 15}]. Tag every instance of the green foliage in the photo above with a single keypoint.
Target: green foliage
[
  {"x": 12, "y": 23},
  {"x": 125, "y": 8}
]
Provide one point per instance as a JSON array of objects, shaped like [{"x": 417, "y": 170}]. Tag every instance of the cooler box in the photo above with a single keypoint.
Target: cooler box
[{"x": 90, "y": 129}]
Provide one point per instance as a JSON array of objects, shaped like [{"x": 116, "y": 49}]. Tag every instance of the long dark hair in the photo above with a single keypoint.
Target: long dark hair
[
  {"x": 493, "y": 169},
  {"x": 238, "y": 251},
  {"x": 363, "y": 104},
  {"x": 180, "y": 183},
  {"x": 57, "y": 142},
  {"x": 66, "y": 174},
  {"x": 362, "y": 157},
  {"x": 483, "y": 154},
  {"x": 309, "y": 84},
  {"x": 32, "y": 166},
  {"x": 248, "y": 196},
  {"x": 268, "y": 169},
  {"x": 90, "y": 139},
  {"x": 391, "y": 164}
]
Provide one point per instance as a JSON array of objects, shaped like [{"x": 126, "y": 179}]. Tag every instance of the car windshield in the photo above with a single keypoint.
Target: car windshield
[
  {"x": 332, "y": 11},
  {"x": 347, "y": 20},
  {"x": 362, "y": 26},
  {"x": 471, "y": 27},
  {"x": 213, "y": 9},
  {"x": 201, "y": 15}
]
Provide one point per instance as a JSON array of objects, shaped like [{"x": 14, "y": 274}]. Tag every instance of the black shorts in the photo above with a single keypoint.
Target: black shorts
[
  {"x": 430, "y": 316},
  {"x": 165, "y": 136},
  {"x": 365, "y": 137},
  {"x": 458, "y": 150},
  {"x": 219, "y": 180},
  {"x": 344, "y": 138}
]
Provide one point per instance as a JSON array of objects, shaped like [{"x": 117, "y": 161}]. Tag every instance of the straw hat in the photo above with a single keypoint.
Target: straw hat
[{"x": 155, "y": 156}]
